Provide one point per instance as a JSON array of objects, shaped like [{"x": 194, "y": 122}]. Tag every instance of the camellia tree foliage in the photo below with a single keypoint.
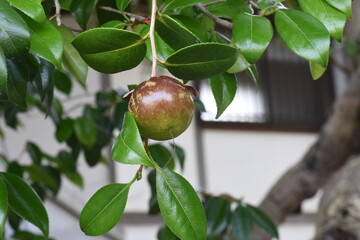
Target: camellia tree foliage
[{"x": 39, "y": 54}]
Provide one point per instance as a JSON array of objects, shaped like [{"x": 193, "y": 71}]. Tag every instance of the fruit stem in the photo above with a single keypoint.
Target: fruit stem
[{"x": 152, "y": 39}]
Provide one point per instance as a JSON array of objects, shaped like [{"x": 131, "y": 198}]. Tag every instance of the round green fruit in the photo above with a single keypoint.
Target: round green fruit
[{"x": 162, "y": 107}]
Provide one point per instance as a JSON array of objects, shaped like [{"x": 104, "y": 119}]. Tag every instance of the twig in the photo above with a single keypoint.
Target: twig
[
  {"x": 132, "y": 15},
  {"x": 152, "y": 39},
  {"x": 57, "y": 12},
  {"x": 213, "y": 3},
  {"x": 218, "y": 20}
]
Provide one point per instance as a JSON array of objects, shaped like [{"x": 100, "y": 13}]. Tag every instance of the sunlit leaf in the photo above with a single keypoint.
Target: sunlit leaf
[
  {"x": 32, "y": 8},
  {"x": 344, "y": 5},
  {"x": 316, "y": 70}
]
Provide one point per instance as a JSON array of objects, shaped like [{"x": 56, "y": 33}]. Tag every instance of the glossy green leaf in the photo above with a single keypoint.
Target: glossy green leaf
[
  {"x": 201, "y": 61},
  {"x": 304, "y": 35},
  {"x": 229, "y": 9},
  {"x": 194, "y": 26},
  {"x": 85, "y": 130},
  {"x": 253, "y": 74},
  {"x": 110, "y": 50},
  {"x": 62, "y": 82},
  {"x": 34, "y": 152},
  {"x": 71, "y": 59},
  {"x": 14, "y": 34},
  {"x": 3, "y": 74},
  {"x": 122, "y": 4},
  {"x": 82, "y": 10},
  {"x": 3, "y": 207},
  {"x": 252, "y": 34},
  {"x": 174, "y": 33},
  {"x": 45, "y": 80},
  {"x": 104, "y": 209},
  {"x": 163, "y": 50},
  {"x": 18, "y": 75},
  {"x": 166, "y": 234},
  {"x": 114, "y": 24},
  {"x": 180, "y": 206},
  {"x": 223, "y": 87},
  {"x": 153, "y": 202},
  {"x": 45, "y": 41},
  {"x": 65, "y": 4},
  {"x": 240, "y": 65},
  {"x": 316, "y": 70},
  {"x": 333, "y": 19},
  {"x": 344, "y": 5},
  {"x": 32, "y": 8},
  {"x": 25, "y": 202},
  {"x": 218, "y": 214},
  {"x": 242, "y": 223},
  {"x": 172, "y": 4},
  {"x": 65, "y": 129},
  {"x": 128, "y": 147},
  {"x": 162, "y": 156},
  {"x": 265, "y": 4},
  {"x": 263, "y": 221}
]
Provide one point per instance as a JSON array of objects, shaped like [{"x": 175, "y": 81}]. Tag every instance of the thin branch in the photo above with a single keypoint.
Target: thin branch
[
  {"x": 57, "y": 12},
  {"x": 218, "y": 20},
  {"x": 132, "y": 15},
  {"x": 152, "y": 39},
  {"x": 213, "y": 3}
]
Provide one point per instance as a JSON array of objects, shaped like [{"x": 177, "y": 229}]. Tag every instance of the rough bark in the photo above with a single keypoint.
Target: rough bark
[
  {"x": 338, "y": 217},
  {"x": 333, "y": 147}
]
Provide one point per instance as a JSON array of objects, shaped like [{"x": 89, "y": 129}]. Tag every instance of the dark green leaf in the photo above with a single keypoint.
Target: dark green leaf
[
  {"x": 163, "y": 50},
  {"x": 24, "y": 202},
  {"x": 316, "y": 70},
  {"x": 65, "y": 129},
  {"x": 3, "y": 207},
  {"x": 253, "y": 74},
  {"x": 172, "y": 4},
  {"x": 82, "y": 10},
  {"x": 166, "y": 234},
  {"x": 180, "y": 206},
  {"x": 153, "y": 202},
  {"x": 44, "y": 176},
  {"x": 114, "y": 24},
  {"x": 45, "y": 80},
  {"x": 122, "y": 4},
  {"x": 263, "y": 221},
  {"x": 344, "y": 6},
  {"x": 174, "y": 33},
  {"x": 45, "y": 41},
  {"x": 196, "y": 27},
  {"x": 32, "y": 8},
  {"x": 22, "y": 235},
  {"x": 230, "y": 8},
  {"x": 119, "y": 113},
  {"x": 128, "y": 147},
  {"x": 62, "y": 82},
  {"x": 180, "y": 155},
  {"x": 223, "y": 87},
  {"x": 104, "y": 209},
  {"x": 18, "y": 77},
  {"x": 218, "y": 214},
  {"x": 110, "y": 50},
  {"x": 34, "y": 152},
  {"x": 93, "y": 155},
  {"x": 242, "y": 223},
  {"x": 201, "y": 61},
  {"x": 15, "y": 168},
  {"x": 14, "y": 34},
  {"x": 199, "y": 105},
  {"x": 252, "y": 34},
  {"x": 71, "y": 58},
  {"x": 333, "y": 19},
  {"x": 162, "y": 156},
  {"x": 67, "y": 164},
  {"x": 304, "y": 35},
  {"x": 3, "y": 74},
  {"x": 85, "y": 130}
]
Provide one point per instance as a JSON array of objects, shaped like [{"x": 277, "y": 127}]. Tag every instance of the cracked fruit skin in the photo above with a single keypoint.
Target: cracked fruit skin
[{"x": 162, "y": 107}]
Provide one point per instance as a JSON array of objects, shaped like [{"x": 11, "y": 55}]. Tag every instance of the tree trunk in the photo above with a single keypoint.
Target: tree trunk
[
  {"x": 335, "y": 144},
  {"x": 339, "y": 213}
]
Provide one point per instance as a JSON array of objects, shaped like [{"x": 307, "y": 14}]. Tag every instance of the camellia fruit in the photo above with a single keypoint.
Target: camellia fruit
[{"x": 162, "y": 107}]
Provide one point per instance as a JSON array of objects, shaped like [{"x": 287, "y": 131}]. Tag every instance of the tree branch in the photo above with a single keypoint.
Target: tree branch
[
  {"x": 132, "y": 15},
  {"x": 218, "y": 20}
]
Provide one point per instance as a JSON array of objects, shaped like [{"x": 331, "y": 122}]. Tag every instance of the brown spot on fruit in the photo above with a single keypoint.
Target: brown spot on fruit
[{"x": 164, "y": 109}]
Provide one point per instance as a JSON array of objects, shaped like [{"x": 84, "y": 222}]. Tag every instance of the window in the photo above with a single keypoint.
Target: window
[{"x": 287, "y": 99}]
